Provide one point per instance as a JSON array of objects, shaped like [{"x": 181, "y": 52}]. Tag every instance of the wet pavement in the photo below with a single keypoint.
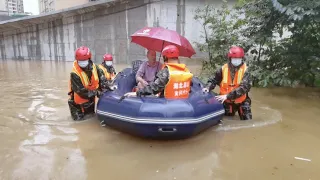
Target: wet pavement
[{"x": 41, "y": 141}]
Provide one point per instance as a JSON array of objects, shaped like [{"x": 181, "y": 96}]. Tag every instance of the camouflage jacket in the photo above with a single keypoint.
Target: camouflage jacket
[
  {"x": 110, "y": 69},
  {"x": 77, "y": 86},
  {"x": 158, "y": 85},
  {"x": 244, "y": 87}
]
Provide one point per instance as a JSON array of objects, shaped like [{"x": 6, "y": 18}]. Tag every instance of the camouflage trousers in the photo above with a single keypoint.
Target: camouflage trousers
[
  {"x": 79, "y": 111},
  {"x": 243, "y": 109}
]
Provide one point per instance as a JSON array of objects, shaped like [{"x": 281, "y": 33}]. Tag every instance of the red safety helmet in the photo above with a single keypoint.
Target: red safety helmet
[
  {"x": 236, "y": 52},
  {"x": 107, "y": 57},
  {"x": 83, "y": 53},
  {"x": 170, "y": 51}
]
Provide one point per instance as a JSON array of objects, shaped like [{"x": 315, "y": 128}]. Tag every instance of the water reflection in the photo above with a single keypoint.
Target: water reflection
[{"x": 262, "y": 116}]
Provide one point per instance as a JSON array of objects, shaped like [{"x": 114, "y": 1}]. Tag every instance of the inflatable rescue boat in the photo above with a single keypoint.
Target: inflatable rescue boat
[{"x": 154, "y": 117}]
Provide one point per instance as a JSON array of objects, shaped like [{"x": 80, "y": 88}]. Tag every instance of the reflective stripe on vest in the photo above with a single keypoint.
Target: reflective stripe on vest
[
  {"x": 227, "y": 85},
  {"x": 178, "y": 86},
  {"x": 89, "y": 85},
  {"x": 109, "y": 76}
]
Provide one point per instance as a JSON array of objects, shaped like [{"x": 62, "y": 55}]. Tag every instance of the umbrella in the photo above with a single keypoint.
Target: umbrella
[{"x": 156, "y": 38}]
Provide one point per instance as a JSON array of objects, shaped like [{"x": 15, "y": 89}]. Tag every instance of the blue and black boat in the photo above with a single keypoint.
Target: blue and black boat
[{"x": 158, "y": 118}]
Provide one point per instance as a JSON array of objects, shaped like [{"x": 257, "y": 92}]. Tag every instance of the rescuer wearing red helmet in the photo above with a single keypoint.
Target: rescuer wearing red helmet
[
  {"x": 107, "y": 67},
  {"x": 173, "y": 81},
  {"x": 235, "y": 83},
  {"x": 86, "y": 80}
]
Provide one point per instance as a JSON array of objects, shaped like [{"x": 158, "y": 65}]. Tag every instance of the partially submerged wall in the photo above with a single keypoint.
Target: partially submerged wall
[{"x": 103, "y": 26}]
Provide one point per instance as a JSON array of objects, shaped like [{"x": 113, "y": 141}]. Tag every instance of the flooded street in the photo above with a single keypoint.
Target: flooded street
[{"x": 40, "y": 141}]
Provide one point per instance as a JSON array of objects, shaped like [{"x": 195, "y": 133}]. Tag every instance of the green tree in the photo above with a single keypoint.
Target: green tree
[
  {"x": 274, "y": 59},
  {"x": 219, "y": 32}
]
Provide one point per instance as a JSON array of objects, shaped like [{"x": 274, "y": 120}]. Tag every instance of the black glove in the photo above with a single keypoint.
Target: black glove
[
  {"x": 139, "y": 94},
  {"x": 106, "y": 85},
  {"x": 99, "y": 94},
  {"x": 92, "y": 93}
]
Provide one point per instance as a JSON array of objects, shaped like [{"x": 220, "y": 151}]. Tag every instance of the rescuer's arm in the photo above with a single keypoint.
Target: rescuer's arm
[
  {"x": 103, "y": 82},
  {"x": 78, "y": 88},
  {"x": 157, "y": 85},
  {"x": 244, "y": 87},
  {"x": 113, "y": 70},
  {"x": 215, "y": 80}
]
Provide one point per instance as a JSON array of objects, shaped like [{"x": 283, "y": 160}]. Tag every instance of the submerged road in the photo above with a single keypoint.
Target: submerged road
[{"x": 39, "y": 140}]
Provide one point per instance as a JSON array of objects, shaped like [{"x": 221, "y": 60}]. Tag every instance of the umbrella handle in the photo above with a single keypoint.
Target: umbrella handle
[{"x": 159, "y": 58}]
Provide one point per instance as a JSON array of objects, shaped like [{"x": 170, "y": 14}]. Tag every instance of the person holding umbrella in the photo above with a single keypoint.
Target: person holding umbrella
[
  {"x": 173, "y": 81},
  {"x": 148, "y": 70},
  {"x": 172, "y": 45}
]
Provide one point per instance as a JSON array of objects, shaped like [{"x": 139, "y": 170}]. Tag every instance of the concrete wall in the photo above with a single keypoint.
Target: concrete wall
[{"x": 103, "y": 26}]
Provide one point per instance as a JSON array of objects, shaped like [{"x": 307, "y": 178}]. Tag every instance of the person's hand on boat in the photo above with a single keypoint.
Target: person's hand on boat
[
  {"x": 113, "y": 87},
  {"x": 145, "y": 83},
  {"x": 99, "y": 93},
  {"x": 130, "y": 94},
  {"x": 92, "y": 93},
  {"x": 105, "y": 85},
  {"x": 205, "y": 90},
  {"x": 221, "y": 98}
]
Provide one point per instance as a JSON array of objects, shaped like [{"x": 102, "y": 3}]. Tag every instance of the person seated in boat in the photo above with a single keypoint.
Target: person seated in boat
[
  {"x": 235, "y": 82},
  {"x": 148, "y": 70},
  {"x": 173, "y": 81},
  {"x": 107, "y": 67},
  {"x": 86, "y": 80}
]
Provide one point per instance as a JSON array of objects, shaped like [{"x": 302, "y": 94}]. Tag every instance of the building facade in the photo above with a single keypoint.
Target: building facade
[
  {"x": 53, "y": 5},
  {"x": 12, "y": 6}
]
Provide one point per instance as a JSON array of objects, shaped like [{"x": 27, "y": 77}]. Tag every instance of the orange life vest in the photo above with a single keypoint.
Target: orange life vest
[
  {"x": 93, "y": 84},
  {"x": 109, "y": 76},
  {"x": 227, "y": 85},
  {"x": 178, "y": 86}
]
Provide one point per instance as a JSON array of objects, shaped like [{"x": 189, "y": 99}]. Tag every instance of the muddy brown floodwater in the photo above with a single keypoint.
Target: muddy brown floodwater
[{"x": 40, "y": 141}]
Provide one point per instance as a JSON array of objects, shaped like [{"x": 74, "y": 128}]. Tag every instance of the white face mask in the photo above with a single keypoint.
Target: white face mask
[
  {"x": 108, "y": 63},
  {"x": 236, "y": 61},
  {"x": 83, "y": 64}
]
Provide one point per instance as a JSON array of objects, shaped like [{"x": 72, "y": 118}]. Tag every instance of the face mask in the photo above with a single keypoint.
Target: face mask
[
  {"x": 108, "y": 63},
  {"x": 236, "y": 61},
  {"x": 83, "y": 64}
]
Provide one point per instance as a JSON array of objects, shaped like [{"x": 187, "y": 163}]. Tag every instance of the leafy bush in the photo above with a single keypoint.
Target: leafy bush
[{"x": 281, "y": 39}]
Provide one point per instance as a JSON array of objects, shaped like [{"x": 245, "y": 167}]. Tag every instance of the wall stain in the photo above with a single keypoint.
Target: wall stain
[
  {"x": 38, "y": 44},
  {"x": 49, "y": 39},
  {"x": 29, "y": 45},
  {"x": 62, "y": 44},
  {"x": 14, "y": 48},
  {"x": 3, "y": 47},
  {"x": 54, "y": 35}
]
